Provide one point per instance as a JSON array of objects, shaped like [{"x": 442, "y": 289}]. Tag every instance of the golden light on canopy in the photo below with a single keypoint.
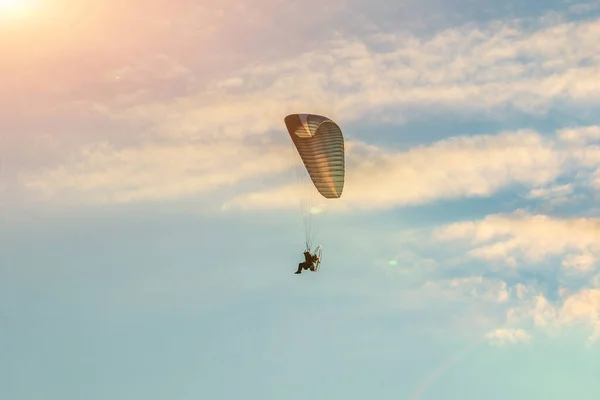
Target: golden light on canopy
[{"x": 320, "y": 144}]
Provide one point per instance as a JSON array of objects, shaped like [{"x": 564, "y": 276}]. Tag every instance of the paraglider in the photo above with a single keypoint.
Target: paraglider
[
  {"x": 320, "y": 144},
  {"x": 311, "y": 261}
]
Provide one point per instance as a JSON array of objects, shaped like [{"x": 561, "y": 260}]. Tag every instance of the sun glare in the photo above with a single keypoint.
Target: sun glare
[{"x": 14, "y": 8}]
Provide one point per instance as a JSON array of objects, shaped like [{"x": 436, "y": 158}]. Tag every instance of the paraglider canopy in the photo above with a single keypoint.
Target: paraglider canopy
[{"x": 320, "y": 143}]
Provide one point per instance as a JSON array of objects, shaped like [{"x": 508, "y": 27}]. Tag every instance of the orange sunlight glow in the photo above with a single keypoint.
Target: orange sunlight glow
[{"x": 14, "y": 8}]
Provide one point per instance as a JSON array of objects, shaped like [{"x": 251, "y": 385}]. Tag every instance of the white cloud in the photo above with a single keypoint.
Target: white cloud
[
  {"x": 452, "y": 168},
  {"x": 580, "y": 135},
  {"x": 529, "y": 238},
  {"x": 582, "y": 306},
  {"x": 376, "y": 178},
  {"x": 502, "y": 337},
  {"x": 552, "y": 192},
  {"x": 348, "y": 79},
  {"x": 555, "y": 195},
  {"x": 103, "y": 174},
  {"x": 581, "y": 262},
  {"x": 579, "y": 307},
  {"x": 543, "y": 313},
  {"x": 521, "y": 291}
]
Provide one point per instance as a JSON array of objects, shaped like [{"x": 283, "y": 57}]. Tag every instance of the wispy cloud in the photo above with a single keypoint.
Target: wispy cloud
[
  {"x": 103, "y": 174},
  {"x": 552, "y": 192},
  {"x": 453, "y": 168},
  {"x": 578, "y": 307},
  {"x": 503, "y": 337},
  {"x": 459, "y": 69},
  {"x": 377, "y": 178},
  {"x": 582, "y": 262},
  {"x": 521, "y": 237},
  {"x": 580, "y": 135}
]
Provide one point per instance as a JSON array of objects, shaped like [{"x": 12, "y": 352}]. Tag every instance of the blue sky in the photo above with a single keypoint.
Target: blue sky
[{"x": 149, "y": 231}]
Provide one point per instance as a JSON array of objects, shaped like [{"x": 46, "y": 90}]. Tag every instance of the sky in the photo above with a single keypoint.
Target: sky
[{"x": 149, "y": 226}]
